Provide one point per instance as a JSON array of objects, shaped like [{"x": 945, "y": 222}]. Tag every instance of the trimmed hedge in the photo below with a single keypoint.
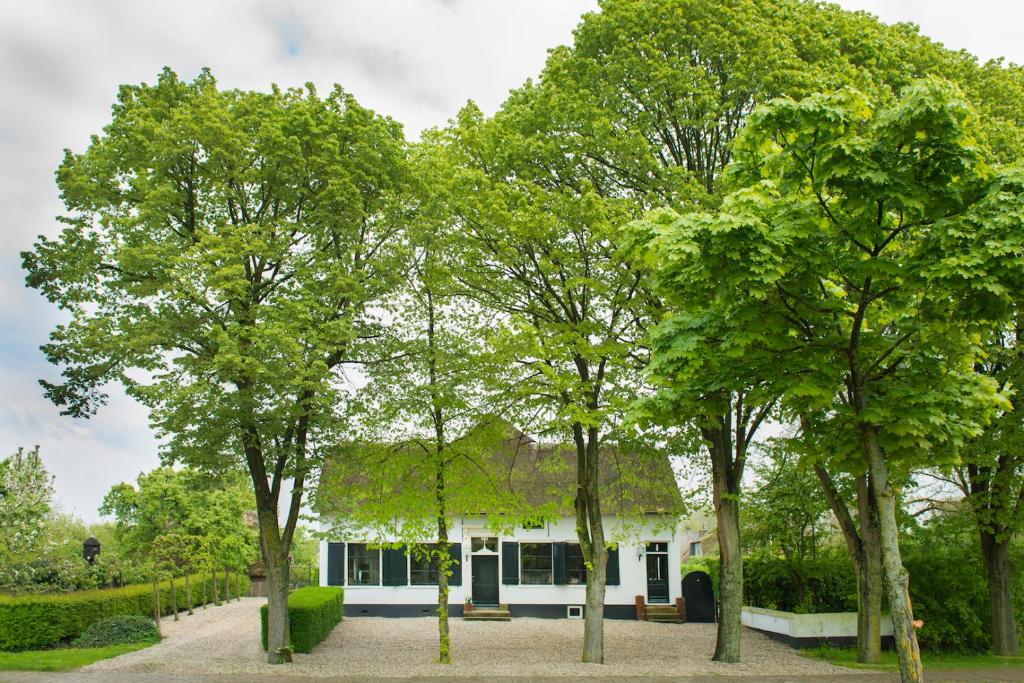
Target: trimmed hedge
[
  {"x": 124, "y": 628},
  {"x": 32, "y": 622},
  {"x": 312, "y": 613}
]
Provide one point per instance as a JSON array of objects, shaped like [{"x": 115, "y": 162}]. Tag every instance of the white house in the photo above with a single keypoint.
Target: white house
[{"x": 535, "y": 571}]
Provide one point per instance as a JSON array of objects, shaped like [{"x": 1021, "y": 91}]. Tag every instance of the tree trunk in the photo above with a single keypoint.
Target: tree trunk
[
  {"x": 188, "y": 593},
  {"x": 997, "y": 566},
  {"x": 278, "y": 635},
  {"x": 590, "y": 530},
  {"x": 174, "y": 599},
  {"x": 213, "y": 582},
  {"x": 869, "y": 579},
  {"x": 593, "y": 615},
  {"x": 896, "y": 579},
  {"x": 730, "y": 578},
  {"x": 238, "y": 587},
  {"x": 227, "y": 585},
  {"x": 156, "y": 602},
  {"x": 444, "y": 645},
  {"x": 726, "y": 499}
]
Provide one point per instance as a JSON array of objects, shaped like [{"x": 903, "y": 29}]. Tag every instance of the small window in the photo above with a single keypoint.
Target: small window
[
  {"x": 575, "y": 568},
  {"x": 574, "y": 611},
  {"x": 487, "y": 543},
  {"x": 536, "y": 558},
  {"x": 695, "y": 550},
  {"x": 533, "y": 524},
  {"x": 363, "y": 565},
  {"x": 423, "y": 567},
  {"x": 656, "y": 547}
]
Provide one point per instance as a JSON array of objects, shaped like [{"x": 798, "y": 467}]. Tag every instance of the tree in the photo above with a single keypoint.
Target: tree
[
  {"x": 217, "y": 257},
  {"x": 991, "y": 479},
  {"x": 643, "y": 109},
  {"x": 839, "y": 257},
  {"x": 26, "y": 492},
  {"x": 429, "y": 439}
]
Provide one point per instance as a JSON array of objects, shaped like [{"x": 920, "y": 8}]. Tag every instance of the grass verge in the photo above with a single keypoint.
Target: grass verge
[
  {"x": 63, "y": 659},
  {"x": 936, "y": 661}
]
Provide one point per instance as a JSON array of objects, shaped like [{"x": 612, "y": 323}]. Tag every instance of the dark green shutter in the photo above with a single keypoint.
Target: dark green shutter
[
  {"x": 455, "y": 552},
  {"x": 335, "y": 564},
  {"x": 612, "y": 573},
  {"x": 558, "y": 553},
  {"x": 510, "y": 563},
  {"x": 395, "y": 570}
]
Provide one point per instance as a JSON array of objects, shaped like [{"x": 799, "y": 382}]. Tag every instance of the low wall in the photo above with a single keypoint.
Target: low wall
[{"x": 810, "y": 630}]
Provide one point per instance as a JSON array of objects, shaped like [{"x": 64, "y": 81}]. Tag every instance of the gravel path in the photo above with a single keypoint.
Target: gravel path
[{"x": 225, "y": 640}]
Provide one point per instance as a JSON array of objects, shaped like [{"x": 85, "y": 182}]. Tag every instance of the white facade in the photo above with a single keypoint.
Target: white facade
[{"x": 542, "y": 600}]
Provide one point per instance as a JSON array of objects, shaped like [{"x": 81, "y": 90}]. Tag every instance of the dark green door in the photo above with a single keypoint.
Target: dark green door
[
  {"x": 657, "y": 577},
  {"x": 485, "y": 580}
]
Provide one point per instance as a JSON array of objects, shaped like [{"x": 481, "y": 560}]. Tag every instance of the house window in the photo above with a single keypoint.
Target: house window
[
  {"x": 363, "y": 565},
  {"x": 536, "y": 559},
  {"x": 423, "y": 569},
  {"x": 695, "y": 550},
  {"x": 533, "y": 524},
  {"x": 575, "y": 568}
]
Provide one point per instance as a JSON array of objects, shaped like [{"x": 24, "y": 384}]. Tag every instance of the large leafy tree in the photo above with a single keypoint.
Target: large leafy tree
[
  {"x": 428, "y": 447},
  {"x": 643, "y": 108},
  {"x": 217, "y": 255},
  {"x": 840, "y": 259}
]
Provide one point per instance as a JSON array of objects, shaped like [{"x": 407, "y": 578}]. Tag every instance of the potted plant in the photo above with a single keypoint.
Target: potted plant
[{"x": 468, "y": 607}]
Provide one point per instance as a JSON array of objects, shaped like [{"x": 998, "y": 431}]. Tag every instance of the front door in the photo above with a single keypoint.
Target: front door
[
  {"x": 657, "y": 572},
  {"x": 485, "y": 580}
]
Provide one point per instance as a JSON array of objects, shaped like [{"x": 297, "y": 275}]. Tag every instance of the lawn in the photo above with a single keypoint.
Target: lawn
[
  {"x": 931, "y": 660},
  {"x": 62, "y": 659}
]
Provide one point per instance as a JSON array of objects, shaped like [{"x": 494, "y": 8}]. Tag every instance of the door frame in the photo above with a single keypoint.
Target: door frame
[
  {"x": 663, "y": 555},
  {"x": 468, "y": 535}
]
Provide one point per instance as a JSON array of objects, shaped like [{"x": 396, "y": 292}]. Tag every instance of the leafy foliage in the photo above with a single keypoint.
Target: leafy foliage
[
  {"x": 125, "y": 628},
  {"x": 26, "y": 492}
]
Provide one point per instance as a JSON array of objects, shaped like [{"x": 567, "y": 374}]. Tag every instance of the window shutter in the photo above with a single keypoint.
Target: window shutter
[
  {"x": 335, "y": 564},
  {"x": 455, "y": 552},
  {"x": 612, "y": 572},
  {"x": 510, "y": 563},
  {"x": 395, "y": 569},
  {"x": 558, "y": 553}
]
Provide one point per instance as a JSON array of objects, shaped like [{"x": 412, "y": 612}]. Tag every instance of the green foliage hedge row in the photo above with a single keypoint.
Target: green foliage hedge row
[
  {"x": 31, "y": 622},
  {"x": 948, "y": 589},
  {"x": 119, "y": 630},
  {"x": 312, "y": 613}
]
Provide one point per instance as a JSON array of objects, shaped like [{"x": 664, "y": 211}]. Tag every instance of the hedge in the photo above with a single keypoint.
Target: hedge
[
  {"x": 31, "y": 622},
  {"x": 312, "y": 613}
]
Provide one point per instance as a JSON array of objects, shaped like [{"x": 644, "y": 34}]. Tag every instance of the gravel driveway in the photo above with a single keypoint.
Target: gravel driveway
[{"x": 225, "y": 640}]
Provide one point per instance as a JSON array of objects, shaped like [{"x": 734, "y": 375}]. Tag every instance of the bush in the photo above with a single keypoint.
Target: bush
[
  {"x": 312, "y": 613},
  {"x": 119, "y": 630},
  {"x": 32, "y": 622}
]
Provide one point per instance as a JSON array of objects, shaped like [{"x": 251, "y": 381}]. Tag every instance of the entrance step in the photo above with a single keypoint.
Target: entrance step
[
  {"x": 488, "y": 614},
  {"x": 665, "y": 614}
]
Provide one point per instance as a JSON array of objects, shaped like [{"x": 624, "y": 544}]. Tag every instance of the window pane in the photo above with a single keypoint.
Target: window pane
[
  {"x": 657, "y": 547},
  {"x": 423, "y": 570},
  {"x": 363, "y": 565},
  {"x": 575, "y": 569},
  {"x": 488, "y": 543},
  {"x": 536, "y": 559}
]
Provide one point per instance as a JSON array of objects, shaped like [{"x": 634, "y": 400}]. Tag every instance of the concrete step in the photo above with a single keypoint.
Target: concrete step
[
  {"x": 665, "y": 620},
  {"x": 488, "y": 614}
]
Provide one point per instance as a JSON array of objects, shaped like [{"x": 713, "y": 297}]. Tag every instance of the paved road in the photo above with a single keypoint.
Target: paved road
[{"x": 997, "y": 675}]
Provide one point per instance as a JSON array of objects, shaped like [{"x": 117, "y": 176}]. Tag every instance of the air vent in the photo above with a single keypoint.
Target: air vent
[{"x": 574, "y": 611}]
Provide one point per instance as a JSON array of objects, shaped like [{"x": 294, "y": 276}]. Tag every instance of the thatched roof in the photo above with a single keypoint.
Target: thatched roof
[{"x": 543, "y": 475}]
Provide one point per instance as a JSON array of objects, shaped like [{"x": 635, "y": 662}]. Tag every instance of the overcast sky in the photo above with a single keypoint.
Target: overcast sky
[{"x": 61, "y": 63}]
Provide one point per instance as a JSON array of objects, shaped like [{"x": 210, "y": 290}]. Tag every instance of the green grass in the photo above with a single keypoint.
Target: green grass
[
  {"x": 936, "y": 661},
  {"x": 62, "y": 659}
]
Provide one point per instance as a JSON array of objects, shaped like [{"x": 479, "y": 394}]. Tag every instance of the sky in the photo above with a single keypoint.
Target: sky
[{"x": 418, "y": 62}]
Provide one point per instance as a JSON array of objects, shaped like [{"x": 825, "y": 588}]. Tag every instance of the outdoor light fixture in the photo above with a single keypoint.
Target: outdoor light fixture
[
  {"x": 639, "y": 553},
  {"x": 90, "y": 549}
]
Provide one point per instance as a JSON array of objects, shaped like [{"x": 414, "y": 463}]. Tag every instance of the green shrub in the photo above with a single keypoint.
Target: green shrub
[
  {"x": 31, "y": 622},
  {"x": 119, "y": 630},
  {"x": 312, "y": 613}
]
